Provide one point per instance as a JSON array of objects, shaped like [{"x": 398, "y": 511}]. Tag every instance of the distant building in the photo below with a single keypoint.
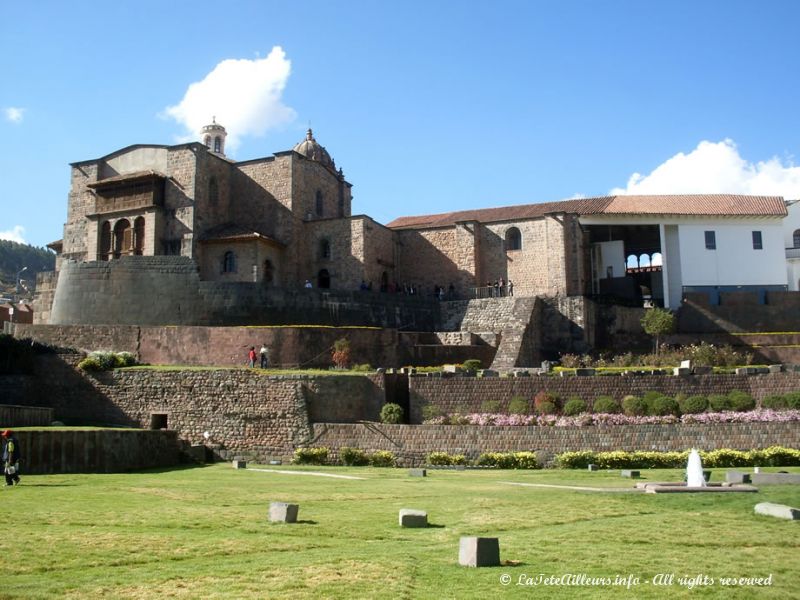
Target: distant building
[{"x": 283, "y": 220}]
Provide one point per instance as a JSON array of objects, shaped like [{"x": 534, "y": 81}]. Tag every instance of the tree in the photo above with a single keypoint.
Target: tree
[
  {"x": 658, "y": 322},
  {"x": 341, "y": 353}
]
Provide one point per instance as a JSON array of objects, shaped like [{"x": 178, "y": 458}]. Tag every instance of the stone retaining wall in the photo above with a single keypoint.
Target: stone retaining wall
[
  {"x": 100, "y": 451},
  {"x": 24, "y": 416},
  {"x": 411, "y": 443},
  {"x": 466, "y": 394}
]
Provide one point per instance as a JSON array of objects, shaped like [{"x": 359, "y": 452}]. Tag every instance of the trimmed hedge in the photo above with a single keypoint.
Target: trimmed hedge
[
  {"x": 310, "y": 456},
  {"x": 509, "y": 460},
  {"x": 443, "y": 459},
  {"x": 775, "y": 456}
]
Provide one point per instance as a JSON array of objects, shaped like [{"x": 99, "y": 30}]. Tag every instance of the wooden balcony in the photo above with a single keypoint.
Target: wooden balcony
[{"x": 131, "y": 192}]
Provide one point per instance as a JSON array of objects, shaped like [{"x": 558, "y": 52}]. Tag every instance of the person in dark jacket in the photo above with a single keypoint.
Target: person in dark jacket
[{"x": 11, "y": 456}]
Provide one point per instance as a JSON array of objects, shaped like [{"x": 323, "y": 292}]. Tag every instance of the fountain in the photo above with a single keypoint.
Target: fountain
[
  {"x": 694, "y": 470},
  {"x": 695, "y": 481}
]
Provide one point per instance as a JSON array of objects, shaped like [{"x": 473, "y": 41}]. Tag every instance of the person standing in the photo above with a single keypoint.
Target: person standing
[
  {"x": 264, "y": 355},
  {"x": 251, "y": 356},
  {"x": 510, "y": 288},
  {"x": 11, "y": 456}
]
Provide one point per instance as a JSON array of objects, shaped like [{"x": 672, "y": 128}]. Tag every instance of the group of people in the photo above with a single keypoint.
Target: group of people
[
  {"x": 252, "y": 356},
  {"x": 11, "y": 458},
  {"x": 500, "y": 288}
]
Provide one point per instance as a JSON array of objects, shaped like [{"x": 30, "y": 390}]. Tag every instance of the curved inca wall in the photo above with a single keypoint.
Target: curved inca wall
[
  {"x": 141, "y": 290},
  {"x": 167, "y": 290}
]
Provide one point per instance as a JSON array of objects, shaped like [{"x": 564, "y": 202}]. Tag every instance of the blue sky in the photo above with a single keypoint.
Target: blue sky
[{"x": 427, "y": 106}]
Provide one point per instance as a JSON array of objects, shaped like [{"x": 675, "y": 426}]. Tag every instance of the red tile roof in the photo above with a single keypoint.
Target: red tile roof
[{"x": 675, "y": 204}]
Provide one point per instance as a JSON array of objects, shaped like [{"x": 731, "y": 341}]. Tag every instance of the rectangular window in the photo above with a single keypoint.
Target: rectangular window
[
  {"x": 711, "y": 240},
  {"x": 757, "y": 243}
]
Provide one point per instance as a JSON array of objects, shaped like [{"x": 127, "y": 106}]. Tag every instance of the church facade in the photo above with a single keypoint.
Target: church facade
[{"x": 285, "y": 221}]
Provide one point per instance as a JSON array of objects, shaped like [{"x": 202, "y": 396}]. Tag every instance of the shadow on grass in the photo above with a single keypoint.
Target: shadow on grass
[
  {"x": 306, "y": 522},
  {"x": 175, "y": 468}
]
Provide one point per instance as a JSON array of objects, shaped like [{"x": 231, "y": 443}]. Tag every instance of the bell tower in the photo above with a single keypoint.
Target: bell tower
[{"x": 213, "y": 136}]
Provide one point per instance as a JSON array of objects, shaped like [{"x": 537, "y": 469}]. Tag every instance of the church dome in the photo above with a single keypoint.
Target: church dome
[{"x": 311, "y": 149}]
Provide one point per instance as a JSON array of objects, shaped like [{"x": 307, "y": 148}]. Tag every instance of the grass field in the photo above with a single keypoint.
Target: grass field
[{"x": 202, "y": 533}]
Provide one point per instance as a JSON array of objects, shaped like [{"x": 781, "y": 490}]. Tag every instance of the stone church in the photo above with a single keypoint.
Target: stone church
[{"x": 285, "y": 222}]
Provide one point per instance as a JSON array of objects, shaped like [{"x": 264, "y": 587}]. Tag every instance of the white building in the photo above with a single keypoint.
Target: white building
[{"x": 673, "y": 244}]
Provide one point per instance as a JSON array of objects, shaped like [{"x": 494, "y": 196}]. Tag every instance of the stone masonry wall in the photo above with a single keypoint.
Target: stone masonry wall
[
  {"x": 244, "y": 412},
  {"x": 466, "y": 394},
  {"x": 411, "y": 443}
]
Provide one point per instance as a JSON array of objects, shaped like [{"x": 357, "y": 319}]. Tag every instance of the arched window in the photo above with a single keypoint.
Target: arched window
[
  {"x": 324, "y": 249},
  {"x": 632, "y": 261},
  {"x": 323, "y": 279},
  {"x": 644, "y": 260},
  {"x": 269, "y": 273},
  {"x": 217, "y": 144},
  {"x": 122, "y": 238},
  {"x": 105, "y": 241},
  {"x": 657, "y": 260},
  {"x": 513, "y": 239},
  {"x": 796, "y": 238},
  {"x": 213, "y": 190},
  {"x": 229, "y": 262},
  {"x": 207, "y": 141},
  {"x": 319, "y": 203},
  {"x": 138, "y": 236}
]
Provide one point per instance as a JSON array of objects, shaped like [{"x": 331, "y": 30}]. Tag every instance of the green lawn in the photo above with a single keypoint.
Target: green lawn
[{"x": 202, "y": 533}]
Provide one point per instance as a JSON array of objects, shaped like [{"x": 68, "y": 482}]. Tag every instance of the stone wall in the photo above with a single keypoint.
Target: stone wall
[
  {"x": 101, "y": 451},
  {"x": 466, "y": 394},
  {"x": 169, "y": 292},
  {"x": 739, "y": 312},
  {"x": 24, "y": 416},
  {"x": 411, "y": 443},
  {"x": 244, "y": 411}
]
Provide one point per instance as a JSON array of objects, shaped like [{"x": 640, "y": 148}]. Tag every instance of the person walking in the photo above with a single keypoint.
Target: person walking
[
  {"x": 11, "y": 456},
  {"x": 264, "y": 355},
  {"x": 251, "y": 356}
]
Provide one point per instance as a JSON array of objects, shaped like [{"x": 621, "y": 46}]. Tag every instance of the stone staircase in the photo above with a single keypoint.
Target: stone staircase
[{"x": 513, "y": 318}]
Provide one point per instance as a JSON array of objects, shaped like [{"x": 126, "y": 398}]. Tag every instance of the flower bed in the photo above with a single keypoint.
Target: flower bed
[{"x": 592, "y": 419}]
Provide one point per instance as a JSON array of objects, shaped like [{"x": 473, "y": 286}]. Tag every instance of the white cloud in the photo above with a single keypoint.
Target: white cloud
[
  {"x": 15, "y": 234},
  {"x": 244, "y": 96},
  {"x": 717, "y": 167},
  {"x": 14, "y": 114}
]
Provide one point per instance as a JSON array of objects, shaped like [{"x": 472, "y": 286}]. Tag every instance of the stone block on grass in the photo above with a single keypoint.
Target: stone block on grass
[
  {"x": 283, "y": 512},
  {"x": 594, "y": 468},
  {"x": 780, "y": 511},
  {"x": 735, "y": 477},
  {"x": 418, "y": 472},
  {"x": 488, "y": 373},
  {"x": 584, "y": 372},
  {"x": 410, "y": 517},
  {"x": 630, "y": 474},
  {"x": 239, "y": 463},
  {"x": 681, "y": 371},
  {"x": 479, "y": 552},
  {"x": 776, "y": 478}
]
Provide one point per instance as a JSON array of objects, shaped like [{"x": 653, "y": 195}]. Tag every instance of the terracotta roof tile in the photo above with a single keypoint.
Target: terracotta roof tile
[{"x": 676, "y": 204}]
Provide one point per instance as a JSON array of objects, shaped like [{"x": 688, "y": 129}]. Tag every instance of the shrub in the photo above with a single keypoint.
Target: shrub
[
  {"x": 124, "y": 359},
  {"x": 431, "y": 411},
  {"x": 341, "y": 353},
  {"x": 719, "y": 402},
  {"x": 545, "y": 403},
  {"x": 724, "y": 458},
  {"x": 490, "y": 406},
  {"x": 365, "y": 368},
  {"x": 509, "y": 460},
  {"x": 445, "y": 459},
  {"x": 741, "y": 401},
  {"x": 353, "y": 457},
  {"x": 575, "y": 460},
  {"x": 633, "y": 406},
  {"x": 793, "y": 400},
  {"x": 570, "y": 361},
  {"x": 574, "y": 406},
  {"x": 775, "y": 402},
  {"x": 693, "y": 405},
  {"x": 519, "y": 406},
  {"x": 90, "y": 364},
  {"x": 664, "y": 405},
  {"x": 472, "y": 365},
  {"x": 775, "y": 456},
  {"x": 391, "y": 413},
  {"x": 605, "y": 404},
  {"x": 383, "y": 458},
  {"x": 310, "y": 456}
]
